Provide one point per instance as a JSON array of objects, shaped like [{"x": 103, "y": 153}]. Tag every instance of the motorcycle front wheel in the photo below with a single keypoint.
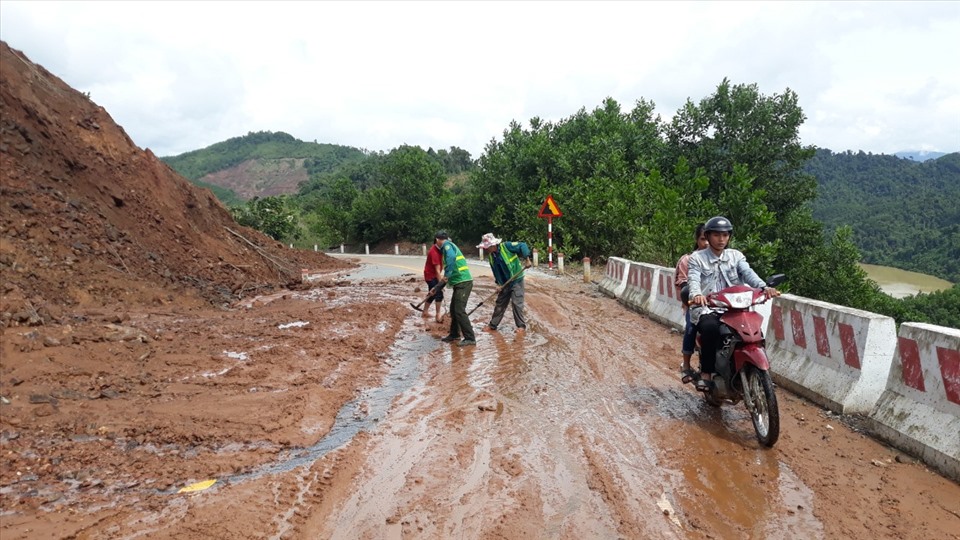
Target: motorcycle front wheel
[{"x": 762, "y": 405}]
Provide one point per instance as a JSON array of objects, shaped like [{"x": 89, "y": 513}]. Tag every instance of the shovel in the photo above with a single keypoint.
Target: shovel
[
  {"x": 433, "y": 292},
  {"x": 498, "y": 289}
]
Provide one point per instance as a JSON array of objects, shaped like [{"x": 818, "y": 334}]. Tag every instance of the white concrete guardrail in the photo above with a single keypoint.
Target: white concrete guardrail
[
  {"x": 639, "y": 289},
  {"x": 835, "y": 356},
  {"x": 665, "y": 306},
  {"x": 614, "y": 277},
  {"x": 919, "y": 411}
]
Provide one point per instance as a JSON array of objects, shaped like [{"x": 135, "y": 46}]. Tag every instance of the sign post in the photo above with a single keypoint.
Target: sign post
[{"x": 549, "y": 210}]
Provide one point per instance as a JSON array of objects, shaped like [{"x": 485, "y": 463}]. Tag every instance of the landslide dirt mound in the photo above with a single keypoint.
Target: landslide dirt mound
[
  {"x": 87, "y": 218},
  {"x": 133, "y": 324}
]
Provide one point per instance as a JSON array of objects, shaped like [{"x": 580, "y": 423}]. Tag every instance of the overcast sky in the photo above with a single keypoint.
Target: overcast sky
[{"x": 881, "y": 76}]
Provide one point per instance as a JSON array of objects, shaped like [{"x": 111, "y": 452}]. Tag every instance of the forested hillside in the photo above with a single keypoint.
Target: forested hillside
[
  {"x": 261, "y": 163},
  {"x": 903, "y": 213}
]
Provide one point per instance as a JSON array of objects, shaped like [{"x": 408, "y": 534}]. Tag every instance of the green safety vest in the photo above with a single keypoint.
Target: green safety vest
[
  {"x": 509, "y": 257},
  {"x": 460, "y": 272}
]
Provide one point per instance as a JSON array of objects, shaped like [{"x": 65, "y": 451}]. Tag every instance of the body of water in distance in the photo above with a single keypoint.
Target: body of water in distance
[{"x": 902, "y": 283}]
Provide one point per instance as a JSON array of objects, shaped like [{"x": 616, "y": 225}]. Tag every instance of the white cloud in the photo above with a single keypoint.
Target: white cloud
[{"x": 178, "y": 76}]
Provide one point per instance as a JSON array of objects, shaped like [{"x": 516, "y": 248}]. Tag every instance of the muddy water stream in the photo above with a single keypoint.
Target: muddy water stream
[
  {"x": 579, "y": 425},
  {"x": 361, "y": 414}
]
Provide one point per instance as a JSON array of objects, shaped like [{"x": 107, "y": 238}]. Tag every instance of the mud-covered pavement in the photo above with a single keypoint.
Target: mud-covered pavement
[{"x": 336, "y": 412}]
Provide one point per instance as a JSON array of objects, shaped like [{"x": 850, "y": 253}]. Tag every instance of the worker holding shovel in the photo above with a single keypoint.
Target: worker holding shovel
[
  {"x": 432, "y": 270},
  {"x": 457, "y": 274},
  {"x": 504, "y": 258}
]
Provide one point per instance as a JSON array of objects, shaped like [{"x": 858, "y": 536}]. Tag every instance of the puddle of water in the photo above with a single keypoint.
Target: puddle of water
[
  {"x": 376, "y": 271},
  {"x": 725, "y": 468},
  {"x": 796, "y": 519},
  {"x": 404, "y": 372}
]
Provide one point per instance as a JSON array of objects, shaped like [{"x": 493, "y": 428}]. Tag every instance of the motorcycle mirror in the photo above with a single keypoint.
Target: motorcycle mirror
[{"x": 776, "y": 279}]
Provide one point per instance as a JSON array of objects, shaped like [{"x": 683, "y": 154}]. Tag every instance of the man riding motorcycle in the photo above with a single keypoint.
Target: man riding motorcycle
[{"x": 711, "y": 270}]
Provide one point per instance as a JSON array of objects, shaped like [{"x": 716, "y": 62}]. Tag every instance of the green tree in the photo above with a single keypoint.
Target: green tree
[
  {"x": 272, "y": 216},
  {"x": 738, "y": 134},
  {"x": 833, "y": 273},
  {"x": 903, "y": 213},
  {"x": 941, "y": 308},
  {"x": 405, "y": 202},
  {"x": 327, "y": 209},
  {"x": 589, "y": 162},
  {"x": 676, "y": 206}
]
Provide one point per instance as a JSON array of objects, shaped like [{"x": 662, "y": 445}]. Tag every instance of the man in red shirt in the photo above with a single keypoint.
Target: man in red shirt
[{"x": 432, "y": 270}]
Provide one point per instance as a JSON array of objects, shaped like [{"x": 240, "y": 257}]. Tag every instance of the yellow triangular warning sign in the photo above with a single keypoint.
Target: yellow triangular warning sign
[{"x": 549, "y": 208}]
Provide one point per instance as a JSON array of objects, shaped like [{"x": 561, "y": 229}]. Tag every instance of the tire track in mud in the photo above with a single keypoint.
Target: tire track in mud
[
  {"x": 571, "y": 426},
  {"x": 530, "y": 463},
  {"x": 659, "y": 412}
]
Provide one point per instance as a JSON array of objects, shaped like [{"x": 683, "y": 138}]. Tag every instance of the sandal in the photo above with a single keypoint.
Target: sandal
[
  {"x": 687, "y": 375},
  {"x": 704, "y": 385}
]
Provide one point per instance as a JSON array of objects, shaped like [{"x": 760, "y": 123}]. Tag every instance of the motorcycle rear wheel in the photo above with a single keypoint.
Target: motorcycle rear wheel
[{"x": 763, "y": 406}]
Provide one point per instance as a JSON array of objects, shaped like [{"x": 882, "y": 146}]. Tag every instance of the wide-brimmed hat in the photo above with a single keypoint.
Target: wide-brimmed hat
[{"x": 489, "y": 240}]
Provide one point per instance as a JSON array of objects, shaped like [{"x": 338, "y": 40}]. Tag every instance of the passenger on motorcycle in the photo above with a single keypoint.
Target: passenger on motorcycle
[
  {"x": 680, "y": 281},
  {"x": 711, "y": 270}
]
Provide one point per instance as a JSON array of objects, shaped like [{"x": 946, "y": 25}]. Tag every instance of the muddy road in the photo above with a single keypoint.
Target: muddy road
[{"x": 578, "y": 428}]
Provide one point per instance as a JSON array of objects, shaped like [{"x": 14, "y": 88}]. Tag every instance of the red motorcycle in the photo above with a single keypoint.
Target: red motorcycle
[{"x": 742, "y": 368}]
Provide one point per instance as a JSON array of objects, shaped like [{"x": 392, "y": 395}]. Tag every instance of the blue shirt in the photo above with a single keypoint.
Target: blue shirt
[{"x": 709, "y": 273}]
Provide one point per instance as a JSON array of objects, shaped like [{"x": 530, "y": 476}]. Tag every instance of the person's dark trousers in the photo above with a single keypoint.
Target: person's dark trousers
[
  {"x": 709, "y": 328},
  {"x": 459, "y": 322},
  {"x": 511, "y": 294}
]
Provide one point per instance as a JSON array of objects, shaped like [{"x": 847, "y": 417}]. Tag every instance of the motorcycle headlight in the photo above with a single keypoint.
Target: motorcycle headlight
[{"x": 740, "y": 300}]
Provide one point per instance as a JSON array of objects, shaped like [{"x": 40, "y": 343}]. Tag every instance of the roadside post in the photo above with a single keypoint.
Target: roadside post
[{"x": 549, "y": 210}]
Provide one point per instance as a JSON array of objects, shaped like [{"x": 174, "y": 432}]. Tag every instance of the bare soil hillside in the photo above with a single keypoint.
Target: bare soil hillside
[
  {"x": 88, "y": 218},
  {"x": 261, "y": 177},
  {"x": 124, "y": 287}
]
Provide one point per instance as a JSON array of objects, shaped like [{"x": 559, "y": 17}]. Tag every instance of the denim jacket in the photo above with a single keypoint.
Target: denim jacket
[{"x": 708, "y": 273}]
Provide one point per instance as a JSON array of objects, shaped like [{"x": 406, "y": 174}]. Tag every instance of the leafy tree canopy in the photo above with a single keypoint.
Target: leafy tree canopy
[
  {"x": 634, "y": 186},
  {"x": 273, "y": 216}
]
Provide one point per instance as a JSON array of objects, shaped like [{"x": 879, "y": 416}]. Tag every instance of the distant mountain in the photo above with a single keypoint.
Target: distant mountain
[
  {"x": 260, "y": 164},
  {"x": 921, "y": 155},
  {"x": 903, "y": 213}
]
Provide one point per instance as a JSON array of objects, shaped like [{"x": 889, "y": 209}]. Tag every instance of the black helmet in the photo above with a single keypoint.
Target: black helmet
[
  {"x": 718, "y": 224},
  {"x": 441, "y": 235}
]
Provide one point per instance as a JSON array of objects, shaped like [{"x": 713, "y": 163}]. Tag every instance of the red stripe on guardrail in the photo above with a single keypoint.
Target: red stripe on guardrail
[
  {"x": 820, "y": 335},
  {"x": 950, "y": 371},
  {"x": 796, "y": 324},
  {"x": 848, "y": 342},
  {"x": 910, "y": 359}
]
